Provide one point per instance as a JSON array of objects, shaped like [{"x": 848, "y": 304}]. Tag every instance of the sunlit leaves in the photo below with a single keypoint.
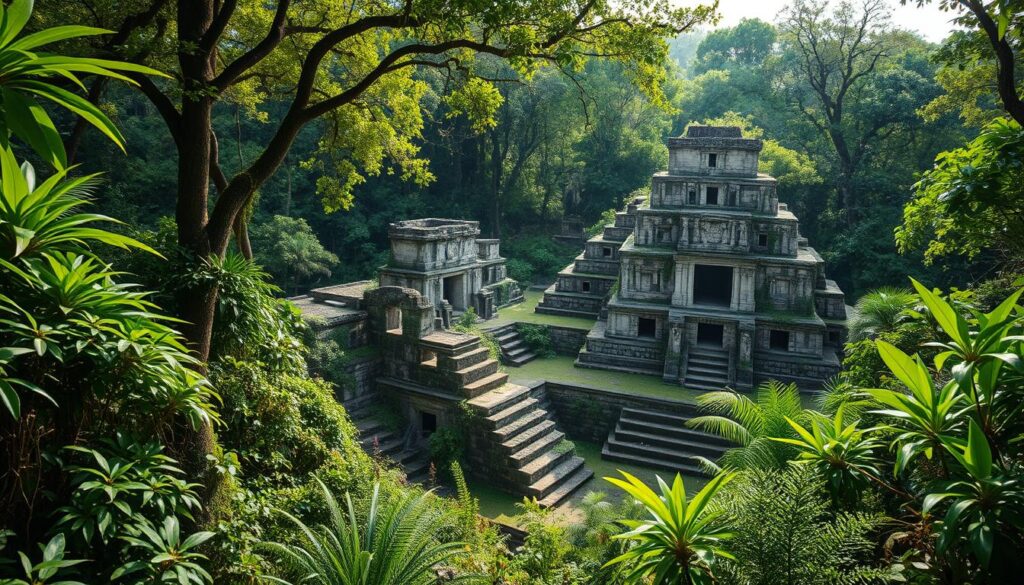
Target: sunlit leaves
[
  {"x": 27, "y": 79},
  {"x": 684, "y": 538}
]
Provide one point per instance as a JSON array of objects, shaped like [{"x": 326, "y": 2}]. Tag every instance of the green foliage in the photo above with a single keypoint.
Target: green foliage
[
  {"x": 786, "y": 532},
  {"x": 251, "y": 323},
  {"x": 289, "y": 250},
  {"x": 684, "y": 541},
  {"x": 168, "y": 557},
  {"x": 751, "y": 423},
  {"x": 747, "y": 44},
  {"x": 536, "y": 258},
  {"x": 51, "y": 567},
  {"x": 971, "y": 200},
  {"x": 607, "y": 218},
  {"x": 879, "y": 311},
  {"x": 843, "y": 454},
  {"x": 28, "y": 75},
  {"x": 537, "y": 338},
  {"x": 545, "y": 551},
  {"x": 392, "y": 546},
  {"x": 447, "y": 446},
  {"x": 284, "y": 426},
  {"x": 129, "y": 485}
]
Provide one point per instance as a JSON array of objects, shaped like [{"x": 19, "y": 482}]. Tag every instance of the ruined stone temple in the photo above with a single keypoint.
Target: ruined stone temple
[
  {"x": 446, "y": 262},
  {"x": 437, "y": 377},
  {"x": 716, "y": 286}
]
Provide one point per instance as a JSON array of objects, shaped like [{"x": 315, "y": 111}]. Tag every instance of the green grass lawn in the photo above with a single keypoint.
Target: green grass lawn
[
  {"x": 562, "y": 369},
  {"x": 523, "y": 313}
]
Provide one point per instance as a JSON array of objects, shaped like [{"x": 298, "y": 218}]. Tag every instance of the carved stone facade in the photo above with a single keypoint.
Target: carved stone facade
[
  {"x": 445, "y": 261},
  {"x": 716, "y": 285}
]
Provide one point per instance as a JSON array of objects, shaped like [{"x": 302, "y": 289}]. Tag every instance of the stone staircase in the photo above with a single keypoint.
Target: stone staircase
[
  {"x": 514, "y": 350},
  {"x": 378, "y": 440},
  {"x": 518, "y": 442},
  {"x": 707, "y": 368},
  {"x": 662, "y": 441},
  {"x": 581, "y": 288}
]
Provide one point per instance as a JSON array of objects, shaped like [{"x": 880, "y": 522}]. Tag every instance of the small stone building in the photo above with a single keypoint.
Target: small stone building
[
  {"x": 445, "y": 261},
  {"x": 716, "y": 285}
]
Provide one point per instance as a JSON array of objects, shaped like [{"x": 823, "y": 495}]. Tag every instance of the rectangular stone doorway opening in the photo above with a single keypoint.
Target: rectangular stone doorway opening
[
  {"x": 428, "y": 423},
  {"x": 454, "y": 292},
  {"x": 710, "y": 334},
  {"x": 712, "y": 285}
]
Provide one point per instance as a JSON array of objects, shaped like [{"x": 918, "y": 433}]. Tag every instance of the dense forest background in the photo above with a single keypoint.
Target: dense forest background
[{"x": 578, "y": 144}]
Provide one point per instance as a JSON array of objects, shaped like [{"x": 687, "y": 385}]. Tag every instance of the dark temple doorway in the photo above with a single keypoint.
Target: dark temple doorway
[{"x": 712, "y": 285}]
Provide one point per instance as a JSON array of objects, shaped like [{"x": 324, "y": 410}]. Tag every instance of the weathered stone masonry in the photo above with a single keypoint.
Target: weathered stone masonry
[{"x": 716, "y": 285}]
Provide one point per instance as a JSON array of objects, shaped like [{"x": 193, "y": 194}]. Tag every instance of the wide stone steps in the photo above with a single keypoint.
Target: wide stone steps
[
  {"x": 527, "y": 436},
  {"x": 540, "y": 466},
  {"x": 530, "y": 450},
  {"x": 485, "y": 384},
  {"x": 376, "y": 439},
  {"x": 477, "y": 371},
  {"x": 537, "y": 448},
  {"x": 513, "y": 412},
  {"x": 706, "y": 369},
  {"x": 471, "y": 357},
  {"x": 661, "y": 440},
  {"x": 519, "y": 425},
  {"x": 514, "y": 351},
  {"x": 550, "y": 482},
  {"x": 499, "y": 399}
]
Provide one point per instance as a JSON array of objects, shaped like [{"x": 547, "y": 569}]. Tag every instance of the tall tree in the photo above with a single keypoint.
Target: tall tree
[
  {"x": 1002, "y": 24},
  {"x": 835, "y": 53},
  {"x": 349, "y": 65}
]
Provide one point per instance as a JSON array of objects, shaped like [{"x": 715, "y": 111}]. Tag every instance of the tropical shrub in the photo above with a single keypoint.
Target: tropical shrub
[
  {"x": 785, "y": 531},
  {"x": 447, "y": 445},
  {"x": 537, "y": 338},
  {"x": 393, "y": 545},
  {"x": 27, "y": 75},
  {"x": 685, "y": 539},
  {"x": 751, "y": 423},
  {"x": 289, "y": 250},
  {"x": 880, "y": 311}
]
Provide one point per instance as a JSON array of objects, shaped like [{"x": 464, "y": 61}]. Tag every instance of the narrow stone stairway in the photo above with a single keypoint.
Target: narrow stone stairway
[
  {"x": 514, "y": 350},
  {"x": 378, "y": 440},
  {"x": 522, "y": 445},
  {"x": 707, "y": 368},
  {"x": 661, "y": 440}
]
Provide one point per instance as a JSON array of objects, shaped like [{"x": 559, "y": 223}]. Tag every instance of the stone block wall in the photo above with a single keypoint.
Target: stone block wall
[
  {"x": 589, "y": 414},
  {"x": 567, "y": 340},
  {"x": 808, "y": 375},
  {"x": 361, "y": 390}
]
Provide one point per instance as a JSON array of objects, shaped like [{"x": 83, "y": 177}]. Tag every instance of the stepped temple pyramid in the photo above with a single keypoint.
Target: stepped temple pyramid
[{"x": 716, "y": 287}]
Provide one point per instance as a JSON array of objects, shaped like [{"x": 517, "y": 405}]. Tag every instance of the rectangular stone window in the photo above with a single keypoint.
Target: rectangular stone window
[
  {"x": 712, "y": 160},
  {"x": 585, "y": 286},
  {"x": 778, "y": 340},
  {"x": 606, "y": 252},
  {"x": 664, "y": 234},
  {"x": 712, "y": 196},
  {"x": 692, "y": 198},
  {"x": 646, "y": 327},
  {"x": 762, "y": 240}
]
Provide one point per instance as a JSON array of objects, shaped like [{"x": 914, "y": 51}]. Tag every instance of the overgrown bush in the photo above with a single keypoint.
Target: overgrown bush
[
  {"x": 447, "y": 445},
  {"x": 536, "y": 259},
  {"x": 537, "y": 338}
]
